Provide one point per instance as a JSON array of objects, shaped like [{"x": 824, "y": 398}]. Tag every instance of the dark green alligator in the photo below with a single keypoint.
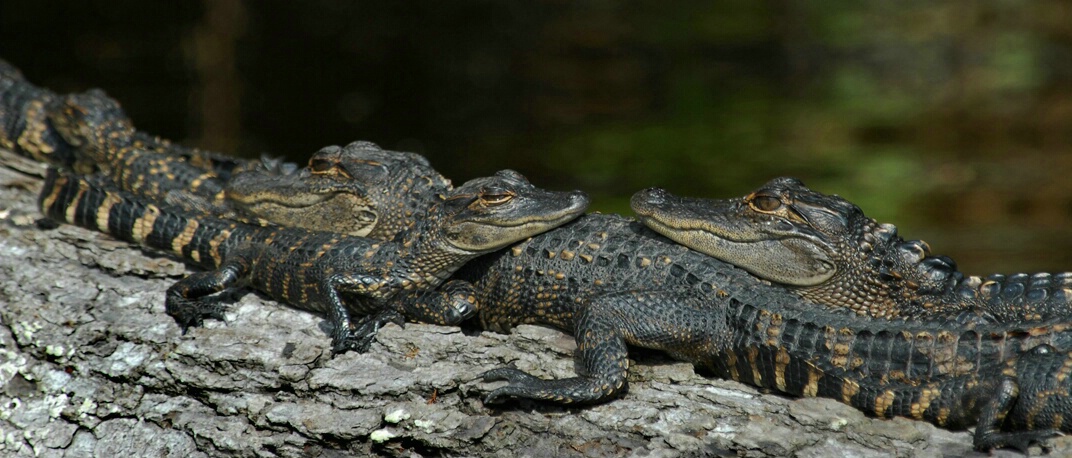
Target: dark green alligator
[
  {"x": 828, "y": 251},
  {"x": 321, "y": 271},
  {"x": 342, "y": 189},
  {"x": 611, "y": 283},
  {"x": 88, "y": 132},
  {"x": 359, "y": 189}
]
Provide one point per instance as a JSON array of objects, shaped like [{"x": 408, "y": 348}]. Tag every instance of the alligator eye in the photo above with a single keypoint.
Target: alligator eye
[
  {"x": 495, "y": 199},
  {"x": 320, "y": 165},
  {"x": 325, "y": 167},
  {"x": 765, "y": 203}
]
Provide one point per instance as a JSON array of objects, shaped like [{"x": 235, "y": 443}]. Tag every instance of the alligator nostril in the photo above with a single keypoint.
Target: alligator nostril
[
  {"x": 655, "y": 196},
  {"x": 579, "y": 198}
]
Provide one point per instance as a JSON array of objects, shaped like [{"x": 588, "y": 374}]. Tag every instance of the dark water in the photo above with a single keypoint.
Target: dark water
[{"x": 952, "y": 120}]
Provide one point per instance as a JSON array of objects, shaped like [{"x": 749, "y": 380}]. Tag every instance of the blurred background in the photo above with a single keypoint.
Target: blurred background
[{"x": 952, "y": 120}]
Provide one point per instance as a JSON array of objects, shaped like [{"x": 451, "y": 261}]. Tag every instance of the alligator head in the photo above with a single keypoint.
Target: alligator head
[
  {"x": 359, "y": 189},
  {"x": 489, "y": 213},
  {"x": 821, "y": 245}
]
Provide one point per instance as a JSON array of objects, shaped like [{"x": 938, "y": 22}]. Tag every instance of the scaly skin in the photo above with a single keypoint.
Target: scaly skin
[
  {"x": 827, "y": 251},
  {"x": 611, "y": 282},
  {"x": 106, "y": 141},
  {"x": 320, "y": 271},
  {"x": 359, "y": 189},
  {"x": 89, "y": 132}
]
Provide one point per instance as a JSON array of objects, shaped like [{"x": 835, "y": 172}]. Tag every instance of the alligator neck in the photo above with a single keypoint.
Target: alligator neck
[
  {"x": 887, "y": 276},
  {"x": 426, "y": 254}
]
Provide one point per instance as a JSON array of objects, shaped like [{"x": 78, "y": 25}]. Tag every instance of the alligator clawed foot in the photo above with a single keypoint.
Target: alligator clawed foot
[
  {"x": 517, "y": 379},
  {"x": 1020, "y": 440},
  {"x": 191, "y": 314},
  {"x": 510, "y": 374},
  {"x": 361, "y": 336}
]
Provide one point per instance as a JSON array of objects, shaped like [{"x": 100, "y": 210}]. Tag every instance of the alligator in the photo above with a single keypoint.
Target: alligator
[
  {"x": 359, "y": 189},
  {"x": 86, "y": 132},
  {"x": 342, "y": 189},
  {"x": 611, "y": 283},
  {"x": 324, "y": 272},
  {"x": 829, "y": 252}
]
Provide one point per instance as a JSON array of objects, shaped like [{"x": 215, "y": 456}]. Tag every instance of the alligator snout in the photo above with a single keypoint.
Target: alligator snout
[{"x": 647, "y": 199}]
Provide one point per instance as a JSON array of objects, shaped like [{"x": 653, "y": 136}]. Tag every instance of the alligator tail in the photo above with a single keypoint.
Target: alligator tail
[{"x": 76, "y": 200}]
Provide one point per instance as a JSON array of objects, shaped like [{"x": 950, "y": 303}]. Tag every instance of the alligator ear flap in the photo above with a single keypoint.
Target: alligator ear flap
[{"x": 823, "y": 219}]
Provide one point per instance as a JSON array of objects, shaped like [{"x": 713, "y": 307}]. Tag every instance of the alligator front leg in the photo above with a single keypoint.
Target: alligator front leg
[
  {"x": 677, "y": 322},
  {"x": 448, "y": 305},
  {"x": 187, "y": 300},
  {"x": 369, "y": 294}
]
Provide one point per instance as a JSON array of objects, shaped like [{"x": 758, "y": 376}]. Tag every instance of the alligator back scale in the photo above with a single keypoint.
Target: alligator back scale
[{"x": 323, "y": 272}]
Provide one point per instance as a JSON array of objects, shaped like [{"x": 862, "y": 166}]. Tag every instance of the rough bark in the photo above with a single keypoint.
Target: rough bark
[{"x": 91, "y": 365}]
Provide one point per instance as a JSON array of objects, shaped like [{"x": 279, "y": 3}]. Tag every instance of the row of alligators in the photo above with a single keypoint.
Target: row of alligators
[{"x": 786, "y": 288}]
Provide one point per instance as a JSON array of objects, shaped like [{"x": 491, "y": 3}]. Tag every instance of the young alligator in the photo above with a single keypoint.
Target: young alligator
[
  {"x": 359, "y": 189},
  {"x": 321, "y": 271},
  {"x": 89, "y": 132},
  {"x": 826, "y": 250},
  {"x": 611, "y": 283}
]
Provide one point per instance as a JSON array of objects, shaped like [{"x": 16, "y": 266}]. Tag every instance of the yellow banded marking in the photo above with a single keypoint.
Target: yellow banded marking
[
  {"x": 110, "y": 200},
  {"x": 731, "y": 363},
  {"x": 781, "y": 360},
  {"x": 883, "y": 402},
  {"x": 185, "y": 237},
  {"x": 752, "y": 353},
  {"x": 32, "y": 138},
  {"x": 848, "y": 391},
  {"x": 50, "y": 199},
  {"x": 144, "y": 224},
  {"x": 926, "y": 395},
  {"x": 285, "y": 290},
  {"x": 214, "y": 245},
  {"x": 1063, "y": 373},
  {"x": 811, "y": 389},
  {"x": 69, "y": 212}
]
